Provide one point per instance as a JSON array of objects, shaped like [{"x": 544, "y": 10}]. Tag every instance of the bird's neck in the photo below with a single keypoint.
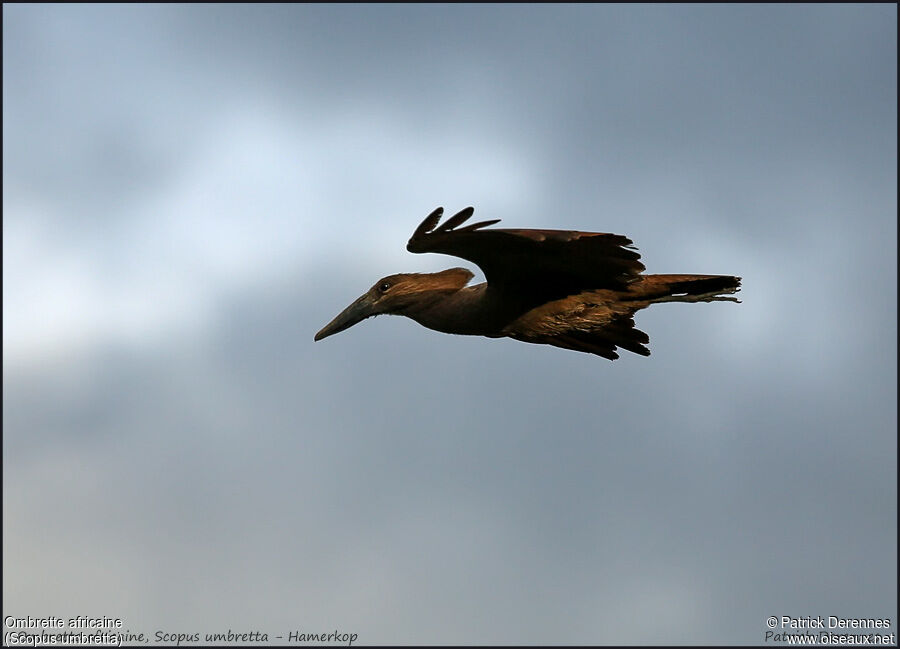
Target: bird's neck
[{"x": 468, "y": 311}]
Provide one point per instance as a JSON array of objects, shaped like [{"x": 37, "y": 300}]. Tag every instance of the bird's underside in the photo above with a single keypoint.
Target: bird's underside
[{"x": 574, "y": 290}]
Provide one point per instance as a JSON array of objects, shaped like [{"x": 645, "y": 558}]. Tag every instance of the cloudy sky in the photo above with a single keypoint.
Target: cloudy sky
[{"x": 191, "y": 192}]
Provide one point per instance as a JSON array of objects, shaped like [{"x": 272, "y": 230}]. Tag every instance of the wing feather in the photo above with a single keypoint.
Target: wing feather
[
  {"x": 550, "y": 263},
  {"x": 573, "y": 323},
  {"x": 460, "y": 217},
  {"x": 428, "y": 224},
  {"x": 479, "y": 225}
]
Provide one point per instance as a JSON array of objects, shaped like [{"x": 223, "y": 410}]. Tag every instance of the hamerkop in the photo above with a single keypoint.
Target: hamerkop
[{"x": 575, "y": 290}]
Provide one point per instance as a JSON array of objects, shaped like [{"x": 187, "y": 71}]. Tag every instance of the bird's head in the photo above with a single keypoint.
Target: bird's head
[{"x": 399, "y": 295}]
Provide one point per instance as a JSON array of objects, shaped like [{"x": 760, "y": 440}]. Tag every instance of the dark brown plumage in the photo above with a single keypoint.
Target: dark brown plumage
[{"x": 575, "y": 290}]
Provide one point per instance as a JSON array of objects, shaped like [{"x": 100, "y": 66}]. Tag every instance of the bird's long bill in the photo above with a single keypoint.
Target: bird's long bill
[{"x": 356, "y": 312}]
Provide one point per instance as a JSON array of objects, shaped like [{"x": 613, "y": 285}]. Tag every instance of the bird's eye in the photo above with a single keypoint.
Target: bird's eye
[{"x": 384, "y": 287}]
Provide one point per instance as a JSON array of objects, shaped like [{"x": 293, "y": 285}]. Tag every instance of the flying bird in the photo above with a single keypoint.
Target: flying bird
[{"x": 574, "y": 290}]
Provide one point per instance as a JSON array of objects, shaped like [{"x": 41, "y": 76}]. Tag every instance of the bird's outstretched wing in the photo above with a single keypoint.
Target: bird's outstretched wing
[{"x": 552, "y": 263}]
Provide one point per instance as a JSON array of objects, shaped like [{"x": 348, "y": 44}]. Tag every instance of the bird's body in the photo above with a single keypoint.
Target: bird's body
[{"x": 575, "y": 290}]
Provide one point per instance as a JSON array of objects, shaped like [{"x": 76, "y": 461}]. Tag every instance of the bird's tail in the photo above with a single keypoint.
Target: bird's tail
[{"x": 653, "y": 289}]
